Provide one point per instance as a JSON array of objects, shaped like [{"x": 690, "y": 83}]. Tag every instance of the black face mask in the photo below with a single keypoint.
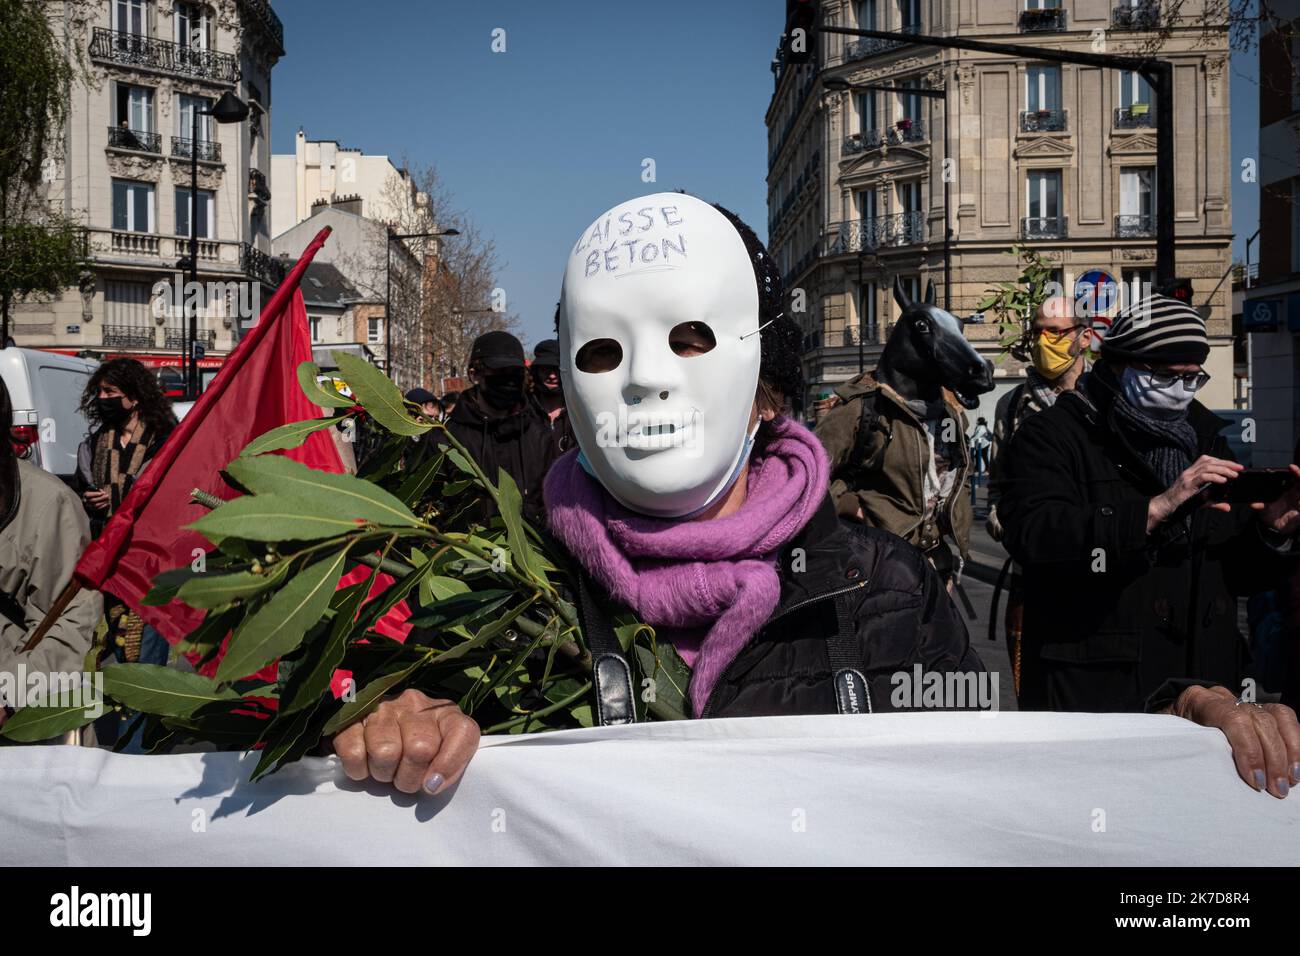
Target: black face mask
[
  {"x": 503, "y": 392},
  {"x": 540, "y": 374},
  {"x": 111, "y": 411}
]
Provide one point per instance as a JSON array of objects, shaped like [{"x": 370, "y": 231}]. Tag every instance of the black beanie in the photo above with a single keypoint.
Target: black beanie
[{"x": 1157, "y": 330}]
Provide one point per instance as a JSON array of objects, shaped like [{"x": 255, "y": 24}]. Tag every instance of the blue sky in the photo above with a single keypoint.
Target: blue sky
[{"x": 535, "y": 142}]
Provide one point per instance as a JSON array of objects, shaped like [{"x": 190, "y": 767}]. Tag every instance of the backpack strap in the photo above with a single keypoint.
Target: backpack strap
[
  {"x": 852, "y": 693},
  {"x": 611, "y": 673}
]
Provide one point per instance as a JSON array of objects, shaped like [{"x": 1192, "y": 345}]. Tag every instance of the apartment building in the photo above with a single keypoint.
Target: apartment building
[
  {"x": 993, "y": 150},
  {"x": 1271, "y": 310},
  {"x": 124, "y": 169}
]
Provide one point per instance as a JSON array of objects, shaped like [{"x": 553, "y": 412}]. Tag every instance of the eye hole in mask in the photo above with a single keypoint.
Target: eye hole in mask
[
  {"x": 691, "y": 338},
  {"x": 599, "y": 355}
]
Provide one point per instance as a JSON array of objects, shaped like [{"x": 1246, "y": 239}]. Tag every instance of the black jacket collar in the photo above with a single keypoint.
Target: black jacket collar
[{"x": 816, "y": 560}]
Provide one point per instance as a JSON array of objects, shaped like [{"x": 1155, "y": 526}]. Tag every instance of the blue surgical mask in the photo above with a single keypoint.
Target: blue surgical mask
[{"x": 1144, "y": 395}]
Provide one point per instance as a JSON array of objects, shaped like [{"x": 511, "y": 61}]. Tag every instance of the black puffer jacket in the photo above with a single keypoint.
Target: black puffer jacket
[
  {"x": 1116, "y": 619},
  {"x": 852, "y": 598},
  {"x": 520, "y": 444}
]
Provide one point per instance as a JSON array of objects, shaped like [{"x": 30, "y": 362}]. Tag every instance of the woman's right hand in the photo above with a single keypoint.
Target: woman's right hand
[
  {"x": 414, "y": 742},
  {"x": 97, "y": 499},
  {"x": 1204, "y": 471}
]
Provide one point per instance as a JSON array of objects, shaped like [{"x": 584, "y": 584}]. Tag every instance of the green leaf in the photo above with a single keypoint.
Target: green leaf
[
  {"x": 279, "y": 625},
  {"x": 369, "y": 696},
  {"x": 215, "y": 591},
  {"x": 309, "y": 683},
  {"x": 321, "y": 491},
  {"x": 460, "y": 608},
  {"x": 165, "y": 691},
  {"x": 165, "y": 586},
  {"x": 282, "y": 737},
  {"x": 415, "y": 485},
  {"x": 512, "y": 514},
  {"x": 273, "y": 518},
  {"x": 318, "y": 393},
  {"x": 377, "y": 394},
  {"x": 291, "y": 435},
  {"x": 438, "y": 588},
  {"x": 460, "y": 461},
  {"x": 45, "y": 719}
]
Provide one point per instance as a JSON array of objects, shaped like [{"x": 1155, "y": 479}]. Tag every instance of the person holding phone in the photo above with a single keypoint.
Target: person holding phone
[{"x": 1131, "y": 570}]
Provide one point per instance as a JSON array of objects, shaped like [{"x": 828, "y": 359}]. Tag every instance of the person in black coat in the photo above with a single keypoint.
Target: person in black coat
[
  {"x": 493, "y": 422},
  {"x": 730, "y": 548},
  {"x": 546, "y": 395},
  {"x": 1130, "y": 574}
]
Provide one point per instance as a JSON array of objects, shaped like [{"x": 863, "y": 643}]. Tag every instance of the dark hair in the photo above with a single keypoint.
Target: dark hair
[
  {"x": 781, "y": 340},
  {"x": 137, "y": 383}
]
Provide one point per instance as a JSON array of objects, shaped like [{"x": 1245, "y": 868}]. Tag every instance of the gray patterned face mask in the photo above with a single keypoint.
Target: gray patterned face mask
[{"x": 1142, "y": 393}]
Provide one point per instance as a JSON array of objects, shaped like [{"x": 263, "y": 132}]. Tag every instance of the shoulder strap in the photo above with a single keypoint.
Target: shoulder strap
[
  {"x": 610, "y": 672},
  {"x": 852, "y": 695}
]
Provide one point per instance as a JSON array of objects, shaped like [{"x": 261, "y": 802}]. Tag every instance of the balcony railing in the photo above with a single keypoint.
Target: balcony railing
[
  {"x": 870, "y": 46},
  {"x": 900, "y": 229},
  {"x": 904, "y": 131},
  {"x": 134, "y": 243},
  {"x": 174, "y": 336},
  {"x": 1050, "y": 20},
  {"x": 209, "y": 152},
  {"x": 1144, "y": 16},
  {"x": 128, "y": 335},
  {"x": 1044, "y": 121},
  {"x": 133, "y": 139},
  {"x": 1043, "y": 227},
  {"x": 258, "y": 265},
  {"x": 1137, "y": 116},
  {"x": 1142, "y": 225},
  {"x": 147, "y": 53},
  {"x": 266, "y": 16}
]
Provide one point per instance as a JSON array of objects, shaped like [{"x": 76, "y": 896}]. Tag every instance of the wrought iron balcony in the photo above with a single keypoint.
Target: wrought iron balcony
[
  {"x": 258, "y": 265},
  {"x": 861, "y": 142},
  {"x": 1140, "y": 226},
  {"x": 1044, "y": 121},
  {"x": 147, "y": 53},
  {"x": 870, "y": 46},
  {"x": 132, "y": 139},
  {"x": 1144, "y": 16},
  {"x": 1043, "y": 227},
  {"x": 900, "y": 229},
  {"x": 1050, "y": 20},
  {"x": 257, "y": 185},
  {"x": 262, "y": 12},
  {"x": 174, "y": 336},
  {"x": 1137, "y": 116},
  {"x": 209, "y": 151},
  {"x": 128, "y": 335}
]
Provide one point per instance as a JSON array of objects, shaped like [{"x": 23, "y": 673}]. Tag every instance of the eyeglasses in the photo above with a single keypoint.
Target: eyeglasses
[
  {"x": 1057, "y": 335},
  {"x": 1192, "y": 381}
]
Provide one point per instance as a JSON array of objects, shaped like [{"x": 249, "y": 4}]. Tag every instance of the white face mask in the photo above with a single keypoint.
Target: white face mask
[
  {"x": 1144, "y": 395},
  {"x": 663, "y": 433}
]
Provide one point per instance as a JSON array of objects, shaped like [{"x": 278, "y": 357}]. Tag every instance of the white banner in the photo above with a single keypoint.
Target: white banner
[{"x": 902, "y": 789}]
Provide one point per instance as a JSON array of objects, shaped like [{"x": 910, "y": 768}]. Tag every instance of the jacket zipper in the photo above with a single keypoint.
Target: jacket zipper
[{"x": 708, "y": 704}]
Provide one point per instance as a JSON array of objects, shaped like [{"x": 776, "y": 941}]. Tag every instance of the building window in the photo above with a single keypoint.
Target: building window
[
  {"x": 1042, "y": 4},
  {"x": 1138, "y": 284},
  {"x": 131, "y": 16},
  {"x": 314, "y": 321},
  {"x": 866, "y": 202},
  {"x": 866, "y": 14},
  {"x": 867, "y": 311},
  {"x": 185, "y": 118},
  {"x": 206, "y": 217},
  {"x": 909, "y": 16},
  {"x": 1042, "y": 88},
  {"x": 372, "y": 331},
  {"x": 134, "y": 106},
  {"x": 1133, "y": 89},
  {"x": 192, "y": 26},
  {"x": 132, "y": 206},
  {"x": 1043, "y": 194},
  {"x": 1137, "y": 201},
  {"x": 910, "y": 103},
  {"x": 867, "y": 111}
]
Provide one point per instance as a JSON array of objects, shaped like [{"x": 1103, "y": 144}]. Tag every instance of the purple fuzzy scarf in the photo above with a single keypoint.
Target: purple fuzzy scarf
[{"x": 681, "y": 575}]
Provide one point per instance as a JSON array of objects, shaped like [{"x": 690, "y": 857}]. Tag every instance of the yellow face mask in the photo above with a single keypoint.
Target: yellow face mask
[{"x": 1051, "y": 355}]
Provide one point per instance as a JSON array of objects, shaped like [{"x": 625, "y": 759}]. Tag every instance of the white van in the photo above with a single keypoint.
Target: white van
[{"x": 45, "y": 389}]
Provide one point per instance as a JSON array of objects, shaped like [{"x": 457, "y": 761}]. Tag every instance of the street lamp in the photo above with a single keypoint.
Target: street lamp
[
  {"x": 228, "y": 109},
  {"x": 838, "y": 83},
  {"x": 388, "y": 287}
]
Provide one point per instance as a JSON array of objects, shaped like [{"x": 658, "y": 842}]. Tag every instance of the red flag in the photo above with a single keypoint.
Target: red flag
[{"x": 255, "y": 391}]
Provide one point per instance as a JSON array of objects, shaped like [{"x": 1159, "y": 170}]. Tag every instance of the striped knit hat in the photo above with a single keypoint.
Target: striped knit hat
[{"x": 1157, "y": 330}]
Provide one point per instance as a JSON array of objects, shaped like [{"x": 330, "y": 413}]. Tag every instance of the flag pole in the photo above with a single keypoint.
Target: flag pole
[{"x": 53, "y": 614}]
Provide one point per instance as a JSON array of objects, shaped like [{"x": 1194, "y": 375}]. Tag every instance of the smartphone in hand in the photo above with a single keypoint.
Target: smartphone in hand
[{"x": 1254, "y": 484}]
